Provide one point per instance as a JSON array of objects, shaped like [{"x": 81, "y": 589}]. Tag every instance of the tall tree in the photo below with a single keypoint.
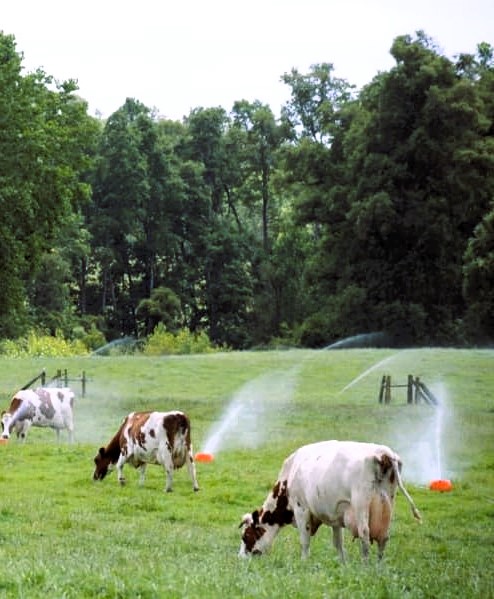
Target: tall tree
[
  {"x": 226, "y": 265},
  {"x": 262, "y": 138},
  {"x": 415, "y": 162},
  {"x": 46, "y": 138}
]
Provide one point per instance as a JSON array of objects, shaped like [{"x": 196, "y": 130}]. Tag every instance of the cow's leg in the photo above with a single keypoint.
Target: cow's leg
[
  {"x": 22, "y": 431},
  {"x": 191, "y": 467},
  {"x": 142, "y": 473},
  {"x": 356, "y": 519},
  {"x": 167, "y": 462},
  {"x": 120, "y": 464},
  {"x": 338, "y": 541},
  {"x": 381, "y": 545},
  {"x": 302, "y": 521},
  {"x": 70, "y": 431},
  {"x": 363, "y": 532}
]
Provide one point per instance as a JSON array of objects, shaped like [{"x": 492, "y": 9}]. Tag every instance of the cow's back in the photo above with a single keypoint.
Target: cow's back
[
  {"x": 54, "y": 407},
  {"x": 326, "y": 477},
  {"x": 145, "y": 434}
]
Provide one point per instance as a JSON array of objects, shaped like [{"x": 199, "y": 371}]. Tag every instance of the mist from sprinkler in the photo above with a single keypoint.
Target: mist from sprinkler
[{"x": 245, "y": 420}]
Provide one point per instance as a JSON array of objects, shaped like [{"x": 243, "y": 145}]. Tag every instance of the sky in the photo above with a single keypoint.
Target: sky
[{"x": 177, "y": 56}]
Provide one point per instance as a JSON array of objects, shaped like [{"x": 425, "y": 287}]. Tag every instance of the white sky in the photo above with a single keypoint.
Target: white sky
[{"x": 176, "y": 56}]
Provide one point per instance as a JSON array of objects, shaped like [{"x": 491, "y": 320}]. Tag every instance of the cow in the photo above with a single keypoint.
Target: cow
[
  {"x": 149, "y": 438},
  {"x": 343, "y": 484},
  {"x": 45, "y": 407}
]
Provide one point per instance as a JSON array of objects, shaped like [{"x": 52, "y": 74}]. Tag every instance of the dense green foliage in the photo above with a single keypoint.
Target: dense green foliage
[
  {"x": 63, "y": 535},
  {"x": 352, "y": 212}
]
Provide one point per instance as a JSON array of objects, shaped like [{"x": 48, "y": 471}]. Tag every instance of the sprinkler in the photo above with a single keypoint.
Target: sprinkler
[
  {"x": 442, "y": 484},
  {"x": 3, "y": 441},
  {"x": 204, "y": 457}
]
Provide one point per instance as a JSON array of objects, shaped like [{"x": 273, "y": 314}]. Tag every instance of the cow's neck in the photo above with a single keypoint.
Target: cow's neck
[{"x": 112, "y": 450}]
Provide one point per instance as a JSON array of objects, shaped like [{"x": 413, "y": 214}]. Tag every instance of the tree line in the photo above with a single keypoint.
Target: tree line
[{"x": 351, "y": 212}]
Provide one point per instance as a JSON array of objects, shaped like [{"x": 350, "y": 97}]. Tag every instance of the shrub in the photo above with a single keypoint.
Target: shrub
[
  {"x": 41, "y": 345},
  {"x": 162, "y": 342},
  {"x": 92, "y": 339}
]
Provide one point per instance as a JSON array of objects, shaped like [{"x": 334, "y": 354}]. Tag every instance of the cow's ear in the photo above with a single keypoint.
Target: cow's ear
[
  {"x": 102, "y": 452},
  {"x": 255, "y": 517},
  {"x": 246, "y": 520}
]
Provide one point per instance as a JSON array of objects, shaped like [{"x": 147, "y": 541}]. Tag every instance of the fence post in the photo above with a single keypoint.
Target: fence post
[
  {"x": 410, "y": 389},
  {"x": 387, "y": 396},
  {"x": 83, "y": 380},
  {"x": 381, "y": 390},
  {"x": 65, "y": 378},
  {"x": 417, "y": 389}
]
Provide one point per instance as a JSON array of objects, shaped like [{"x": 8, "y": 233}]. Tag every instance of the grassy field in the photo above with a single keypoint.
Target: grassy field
[{"x": 62, "y": 535}]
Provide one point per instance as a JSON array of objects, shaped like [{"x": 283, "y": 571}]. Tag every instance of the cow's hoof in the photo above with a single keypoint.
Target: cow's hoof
[
  {"x": 168, "y": 490},
  {"x": 196, "y": 489},
  {"x": 121, "y": 481}
]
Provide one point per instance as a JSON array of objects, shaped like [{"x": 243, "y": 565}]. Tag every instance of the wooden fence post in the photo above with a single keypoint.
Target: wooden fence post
[
  {"x": 410, "y": 389},
  {"x": 417, "y": 389},
  {"x": 381, "y": 390},
  {"x": 83, "y": 380},
  {"x": 387, "y": 395}
]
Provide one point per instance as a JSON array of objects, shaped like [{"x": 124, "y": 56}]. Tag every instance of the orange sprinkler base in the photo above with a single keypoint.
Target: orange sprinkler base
[
  {"x": 204, "y": 457},
  {"x": 440, "y": 485},
  {"x": 3, "y": 441}
]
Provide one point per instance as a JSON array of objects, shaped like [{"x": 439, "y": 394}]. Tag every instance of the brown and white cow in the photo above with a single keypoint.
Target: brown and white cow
[
  {"x": 45, "y": 407},
  {"x": 149, "y": 438},
  {"x": 343, "y": 484}
]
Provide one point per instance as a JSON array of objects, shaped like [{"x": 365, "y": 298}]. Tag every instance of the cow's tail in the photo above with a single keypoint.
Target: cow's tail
[{"x": 415, "y": 511}]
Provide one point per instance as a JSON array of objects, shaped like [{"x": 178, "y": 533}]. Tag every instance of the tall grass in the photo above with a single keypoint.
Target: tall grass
[{"x": 61, "y": 535}]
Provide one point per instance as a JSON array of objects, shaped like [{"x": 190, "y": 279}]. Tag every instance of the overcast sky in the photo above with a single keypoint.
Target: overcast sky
[{"x": 176, "y": 56}]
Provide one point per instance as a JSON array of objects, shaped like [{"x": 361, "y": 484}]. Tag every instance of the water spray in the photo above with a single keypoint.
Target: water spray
[
  {"x": 257, "y": 401},
  {"x": 368, "y": 371}
]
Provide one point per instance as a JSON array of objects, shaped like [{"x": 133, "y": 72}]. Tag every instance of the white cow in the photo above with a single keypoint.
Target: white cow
[
  {"x": 149, "y": 438},
  {"x": 343, "y": 484},
  {"x": 45, "y": 407}
]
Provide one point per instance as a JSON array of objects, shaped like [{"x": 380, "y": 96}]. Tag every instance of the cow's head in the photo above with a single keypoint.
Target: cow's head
[
  {"x": 19, "y": 411},
  {"x": 6, "y": 420},
  {"x": 256, "y": 537},
  {"x": 260, "y": 528},
  {"x": 103, "y": 464}
]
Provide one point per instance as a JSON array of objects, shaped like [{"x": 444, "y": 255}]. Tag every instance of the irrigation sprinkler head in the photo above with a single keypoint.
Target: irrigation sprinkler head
[
  {"x": 442, "y": 485},
  {"x": 204, "y": 457}
]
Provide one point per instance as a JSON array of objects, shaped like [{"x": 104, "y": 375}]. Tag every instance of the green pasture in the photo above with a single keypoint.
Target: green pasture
[{"x": 64, "y": 536}]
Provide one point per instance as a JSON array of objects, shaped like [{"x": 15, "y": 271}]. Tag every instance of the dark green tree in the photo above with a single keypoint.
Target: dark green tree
[
  {"x": 46, "y": 141},
  {"x": 225, "y": 280},
  {"x": 135, "y": 216},
  {"x": 163, "y": 306},
  {"x": 478, "y": 286},
  {"x": 412, "y": 188}
]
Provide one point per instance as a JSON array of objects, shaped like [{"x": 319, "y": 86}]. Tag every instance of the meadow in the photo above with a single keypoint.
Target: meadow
[{"x": 64, "y": 536}]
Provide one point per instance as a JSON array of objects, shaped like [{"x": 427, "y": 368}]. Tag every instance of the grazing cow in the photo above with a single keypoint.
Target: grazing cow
[
  {"x": 149, "y": 438},
  {"x": 45, "y": 406},
  {"x": 343, "y": 484}
]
